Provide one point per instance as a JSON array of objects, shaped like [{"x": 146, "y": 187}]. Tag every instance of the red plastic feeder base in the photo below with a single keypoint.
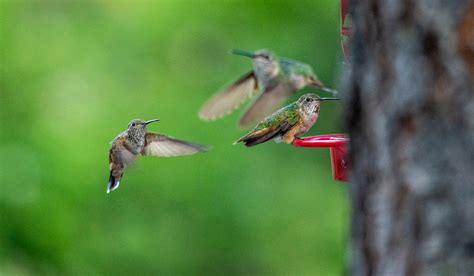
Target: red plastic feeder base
[{"x": 337, "y": 144}]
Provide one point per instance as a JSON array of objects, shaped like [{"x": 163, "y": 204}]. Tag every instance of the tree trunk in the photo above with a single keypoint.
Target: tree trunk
[{"x": 410, "y": 116}]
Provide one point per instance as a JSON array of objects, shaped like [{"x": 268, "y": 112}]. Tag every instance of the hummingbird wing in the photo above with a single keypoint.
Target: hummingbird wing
[
  {"x": 263, "y": 135},
  {"x": 276, "y": 125},
  {"x": 227, "y": 100},
  {"x": 266, "y": 103},
  {"x": 166, "y": 146}
]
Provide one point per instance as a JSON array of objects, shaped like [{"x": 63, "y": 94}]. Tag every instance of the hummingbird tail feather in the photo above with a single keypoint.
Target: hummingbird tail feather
[
  {"x": 264, "y": 135},
  {"x": 253, "y": 141},
  {"x": 114, "y": 183}
]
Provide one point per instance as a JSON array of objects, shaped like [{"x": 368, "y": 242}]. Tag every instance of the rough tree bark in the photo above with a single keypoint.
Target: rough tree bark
[{"x": 410, "y": 116}]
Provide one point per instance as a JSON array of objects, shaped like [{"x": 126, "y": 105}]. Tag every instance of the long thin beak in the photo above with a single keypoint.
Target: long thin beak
[
  {"x": 243, "y": 53},
  {"x": 329, "y": 99},
  {"x": 151, "y": 121}
]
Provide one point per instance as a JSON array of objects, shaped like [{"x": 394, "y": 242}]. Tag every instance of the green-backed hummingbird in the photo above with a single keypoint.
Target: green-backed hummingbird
[
  {"x": 287, "y": 123},
  {"x": 274, "y": 77},
  {"x": 135, "y": 141}
]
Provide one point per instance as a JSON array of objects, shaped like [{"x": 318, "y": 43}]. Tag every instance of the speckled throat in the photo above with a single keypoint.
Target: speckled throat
[{"x": 136, "y": 139}]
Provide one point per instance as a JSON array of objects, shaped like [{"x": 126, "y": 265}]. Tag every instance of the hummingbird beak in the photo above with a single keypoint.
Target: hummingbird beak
[
  {"x": 329, "y": 99},
  {"x": 243, "y": 53},
  {"x": 151, "y": 121}
]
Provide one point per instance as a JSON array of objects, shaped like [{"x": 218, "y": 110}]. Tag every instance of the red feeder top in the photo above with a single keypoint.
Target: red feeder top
[{"x": 323, "y": 141}]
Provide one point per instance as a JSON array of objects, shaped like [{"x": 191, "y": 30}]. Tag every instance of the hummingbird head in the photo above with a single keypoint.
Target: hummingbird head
[
  {"x": 139, "y": 123},
  {"x": 265, "y": 55},
  {"x": 310, "y": 102},
  {"x": 265, "y": 62},
  {"x": 262, "y": 54},
  {"x": 138, "y": 126}
]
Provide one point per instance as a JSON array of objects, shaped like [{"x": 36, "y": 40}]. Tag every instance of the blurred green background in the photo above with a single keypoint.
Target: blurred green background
[{"x": 74, "y": 73}]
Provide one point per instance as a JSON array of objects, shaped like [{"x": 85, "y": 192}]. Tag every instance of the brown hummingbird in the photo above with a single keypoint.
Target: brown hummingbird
[
  {"x": 287, "y": 123},
  {"x": 276, "y": 78},
  {"x": 136, "y": 140}
]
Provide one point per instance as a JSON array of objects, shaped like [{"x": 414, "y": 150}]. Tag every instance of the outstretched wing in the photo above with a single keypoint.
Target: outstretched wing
[
  {"x": 165, "y": 146},
  {"x": 266, "y": 103},
  {"x": 227, "y": 100}
]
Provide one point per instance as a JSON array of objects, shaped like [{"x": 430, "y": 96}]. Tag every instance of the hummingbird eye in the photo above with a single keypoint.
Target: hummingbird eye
[{"x": 308, "y": 100}]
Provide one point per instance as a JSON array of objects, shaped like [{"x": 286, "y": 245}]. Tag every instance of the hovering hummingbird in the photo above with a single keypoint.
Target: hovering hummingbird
[
  {"x": 137, "y": 140},
  {"x": 276, "y": 77},
  {"x": 287, "y": 123}
]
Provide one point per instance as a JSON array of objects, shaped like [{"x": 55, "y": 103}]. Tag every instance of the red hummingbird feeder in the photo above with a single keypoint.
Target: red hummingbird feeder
[{"x": 337, "y": 143}]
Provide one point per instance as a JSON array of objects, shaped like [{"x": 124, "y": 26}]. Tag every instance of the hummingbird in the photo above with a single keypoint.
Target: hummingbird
[
  {"x": 286, "y": 124},
  {"x": 135, "y": 141},
  {"x": 276, "y": 78}
]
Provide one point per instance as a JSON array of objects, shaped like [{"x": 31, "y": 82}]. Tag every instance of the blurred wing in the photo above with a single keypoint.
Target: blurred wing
[
  {"x": 224, "y": 102},
  {"x": 270, "y": 100},
  {"x": 165, "y": 146}
]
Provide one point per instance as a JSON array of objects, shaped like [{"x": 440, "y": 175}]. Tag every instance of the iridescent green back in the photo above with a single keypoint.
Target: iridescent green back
[
  {"x": 288, "y": 113},
  {"x": 289, "y": 67}
]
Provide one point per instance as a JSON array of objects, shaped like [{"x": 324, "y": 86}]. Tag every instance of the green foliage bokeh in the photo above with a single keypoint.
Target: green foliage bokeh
[{"x": 74, "y": 73}]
